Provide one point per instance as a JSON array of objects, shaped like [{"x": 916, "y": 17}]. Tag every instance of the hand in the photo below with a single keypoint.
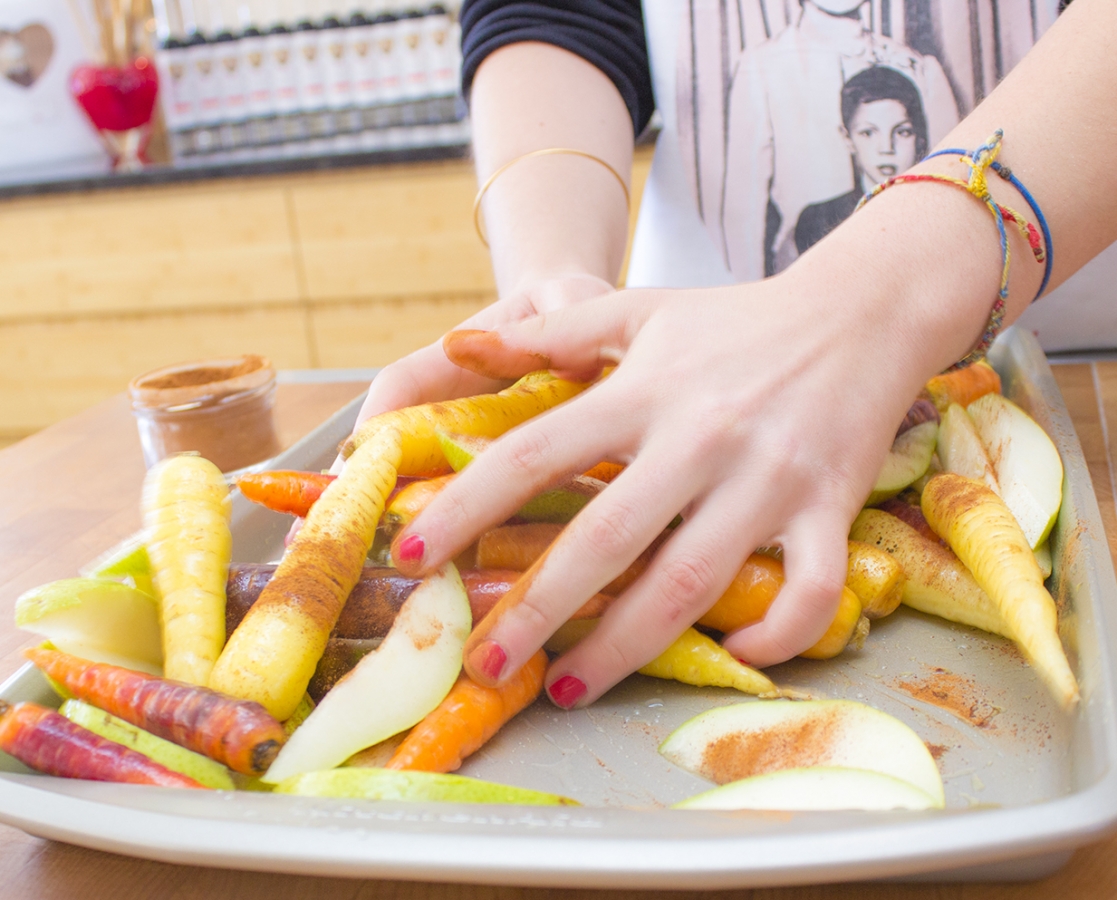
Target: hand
[
  {"x": 760, "y": 412},
  {"x": 427, "y": 375}
]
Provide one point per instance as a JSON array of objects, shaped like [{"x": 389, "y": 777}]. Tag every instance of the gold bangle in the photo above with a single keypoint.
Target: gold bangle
[{"x": 547, "y": 151}]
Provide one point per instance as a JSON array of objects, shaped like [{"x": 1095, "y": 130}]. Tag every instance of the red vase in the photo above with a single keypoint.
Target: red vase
[{"x": 120, "y": 102}]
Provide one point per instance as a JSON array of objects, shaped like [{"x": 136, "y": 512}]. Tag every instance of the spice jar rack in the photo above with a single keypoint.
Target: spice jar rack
[{"x": 253, "y": 81}]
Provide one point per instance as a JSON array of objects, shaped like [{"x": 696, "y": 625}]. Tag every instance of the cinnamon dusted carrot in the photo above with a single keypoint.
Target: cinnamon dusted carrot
[
  {"x": 48, "y": 742},
  {"x": 285, "y": 490},
  {"x": 467, "y": 719},
  {"x": 237, "y": 733}
]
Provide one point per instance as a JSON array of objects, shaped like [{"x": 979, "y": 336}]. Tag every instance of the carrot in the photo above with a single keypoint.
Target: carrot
[
  {"x": 285, "y": 490},
  {"x": 272, "y": 655},
  {"x": 519, "y": 546},
  {"x": 963, "y": 386},
  {"x": 413, "y": 499},
  {"x": 604, "y": 471},
  {"x": 876, "y": 578},
  {"x": 186, "y": 511},
  {"x": 486, "y": 415},
  {"x": 467, "y": 719},
  {"x": 754, "y": 589},
  {"x": 936, "y": 582},
  {"x": 981, "y": 529},
  {"x": 48, "y": 742},
  {"x": 697, "y": 659},
  {"x": 239, "y": 734}
]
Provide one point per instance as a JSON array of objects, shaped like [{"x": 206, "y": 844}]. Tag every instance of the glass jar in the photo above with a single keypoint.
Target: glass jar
[{"x": 220, "y": 408}]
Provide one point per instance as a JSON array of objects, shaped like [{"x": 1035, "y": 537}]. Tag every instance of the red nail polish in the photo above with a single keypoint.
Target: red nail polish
[
  {"x": 744, "y": 662},
  {"x": 410, "y": 549},
  {"x": 566, "y": 691},
  {"x": 488, "y": 658}
]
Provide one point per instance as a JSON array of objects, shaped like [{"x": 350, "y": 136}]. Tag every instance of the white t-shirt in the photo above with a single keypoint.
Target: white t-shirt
[{"x": 777, "y": 114}]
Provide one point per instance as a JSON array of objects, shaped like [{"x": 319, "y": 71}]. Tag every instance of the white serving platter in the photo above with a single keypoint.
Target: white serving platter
[{"x": 1025, "y": 785}]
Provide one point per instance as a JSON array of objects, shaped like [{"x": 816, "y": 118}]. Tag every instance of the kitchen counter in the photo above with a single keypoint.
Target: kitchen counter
[{"x": 72, "y": 490}]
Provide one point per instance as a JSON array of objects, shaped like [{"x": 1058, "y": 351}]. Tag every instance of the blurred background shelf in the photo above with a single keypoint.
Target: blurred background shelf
[{"x": 339, "y": 268}]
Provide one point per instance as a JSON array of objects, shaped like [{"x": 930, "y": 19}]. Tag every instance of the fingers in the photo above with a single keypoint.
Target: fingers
[
  {"x": 581, "y": 338},
  {"x": 692, "y": 569},
  {"x": 815, "y": 561},
  {"x": 517, "y": 467},
  {"x": 421, "y": 377},
  {"x": 600, "y": 543}
]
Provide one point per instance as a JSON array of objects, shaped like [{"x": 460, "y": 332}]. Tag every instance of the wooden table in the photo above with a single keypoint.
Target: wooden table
[{"x": 72, "y": 491}]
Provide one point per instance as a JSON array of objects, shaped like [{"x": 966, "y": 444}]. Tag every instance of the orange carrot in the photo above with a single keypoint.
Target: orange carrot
[
  {"x": 467, "y": 719},
  {"x": 963, "y": 386},
  {"x": 285, "y": 490},
  {"x": 47, "y": 741},
  {"x": 238, "y": 733},
  {"x": 605, "y": 471},
  {"x": 407, "y": 502}
]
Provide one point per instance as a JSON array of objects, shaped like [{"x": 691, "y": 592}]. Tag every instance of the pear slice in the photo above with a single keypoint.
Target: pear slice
[
  {"x": 461, "y": 449},
  {"x": 961, "y": 450},
  {"x": 390, "y": 784},
  {"x": 391, "y": 688},
  {"x": 747, "y": 739},
  {"x": 127, "y": 561},
  {"x": 178, "y": 759},
  {"x": 814, "y": 788},
  {"x": 96, "y": 619},
  {"x": 907, "y": 460},
  {"x": 1026, "y": 461}
]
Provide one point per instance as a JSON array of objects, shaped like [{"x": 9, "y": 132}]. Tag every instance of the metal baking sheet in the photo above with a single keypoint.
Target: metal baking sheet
[{"x": 1025, "y": 785}]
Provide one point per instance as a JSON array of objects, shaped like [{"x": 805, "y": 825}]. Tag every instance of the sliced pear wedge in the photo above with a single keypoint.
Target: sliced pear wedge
[
  {"x": 1028, "y": 467},
  {"x": 178, "y": 759},
  {"x": 127, "y": 561},
  {"x": 814, "y": 788},
  {"x": 907, "y": 460},
  {"x": 390, "y": 784},
  {"x": 960, "y": 448},
  {"x": 392, "y": 687},
  {"x": 96, "y": 619},
  {"x": 747, "y": 739}
]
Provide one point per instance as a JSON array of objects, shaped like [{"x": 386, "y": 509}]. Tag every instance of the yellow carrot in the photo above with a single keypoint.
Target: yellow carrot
[
  {"x": 978, "y": 526},
  {"x": 699, "y": 660},
  {"x": 271, "y": 656},
  {"x": 186, "y": 510},
  {"x": 486, "y": 415},
  {"x": 936, "y": 582},
  {"x": 467, "y": 719},
  {"x": 876, "y": 578}
]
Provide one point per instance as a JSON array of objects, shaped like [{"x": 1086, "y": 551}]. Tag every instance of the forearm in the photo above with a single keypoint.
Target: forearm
[{"x": 549, "y": 216}]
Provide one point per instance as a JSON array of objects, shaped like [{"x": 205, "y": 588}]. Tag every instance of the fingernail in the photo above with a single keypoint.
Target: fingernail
[
  {"x": 566, "y": 691},
  {"x": 411, "y": 548},
  {"x": 488, "y": 658}
]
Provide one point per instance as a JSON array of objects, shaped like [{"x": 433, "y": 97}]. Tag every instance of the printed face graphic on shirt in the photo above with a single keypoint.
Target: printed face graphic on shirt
[{"x": 882, "y": 140}]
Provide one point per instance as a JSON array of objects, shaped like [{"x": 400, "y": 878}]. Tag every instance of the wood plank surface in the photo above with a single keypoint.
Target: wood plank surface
[{"x": 72, "y": 490}]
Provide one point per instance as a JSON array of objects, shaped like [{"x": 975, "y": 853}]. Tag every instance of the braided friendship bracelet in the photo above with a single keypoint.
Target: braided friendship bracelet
[
  {"x": 546, "y": 151},
  {"x": 981, "y": 159},
  {"x": 1008, "y": 175}
]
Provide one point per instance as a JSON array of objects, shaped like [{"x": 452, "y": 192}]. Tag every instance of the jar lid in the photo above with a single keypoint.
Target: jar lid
[{"x": 205, "y": 383}]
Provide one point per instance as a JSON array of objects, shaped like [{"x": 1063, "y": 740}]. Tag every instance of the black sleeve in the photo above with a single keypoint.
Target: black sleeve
[{"x": 609, "y": 34}]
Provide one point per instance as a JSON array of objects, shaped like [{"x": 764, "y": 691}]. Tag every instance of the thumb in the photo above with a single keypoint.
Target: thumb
[{"x": 583, "y": 338}]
